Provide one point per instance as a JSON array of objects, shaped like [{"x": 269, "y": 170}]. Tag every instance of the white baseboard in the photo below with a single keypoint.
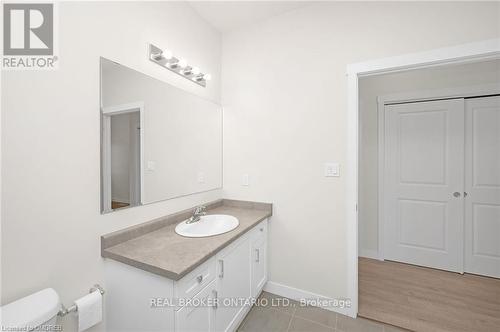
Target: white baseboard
[
  {"x": 369, "y": 253},
  {"x": 299, "y": 294}
]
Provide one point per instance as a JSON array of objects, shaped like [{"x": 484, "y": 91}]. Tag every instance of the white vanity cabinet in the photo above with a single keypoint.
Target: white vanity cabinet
[
  {"x": 192, "y": 283},
  {"x": 130, "y": 302},
  {"x": 201, "y": 315},
  {"x": 258, "y": 245},
  {"x": 233, "y": 283},
  {"x": 219, "y": 291}
]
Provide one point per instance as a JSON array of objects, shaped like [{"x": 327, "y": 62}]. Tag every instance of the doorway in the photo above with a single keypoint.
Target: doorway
[
  {"x": 122, "y": 138},
  {"x": 433, "y": 136}
]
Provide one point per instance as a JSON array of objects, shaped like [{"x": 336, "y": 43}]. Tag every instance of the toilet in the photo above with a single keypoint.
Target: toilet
[{"x": 37, "y": 311}]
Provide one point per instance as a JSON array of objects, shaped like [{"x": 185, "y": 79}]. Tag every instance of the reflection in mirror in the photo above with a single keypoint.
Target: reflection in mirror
[
  {"x": 122, "y": 160},
  {"x": 157, "y": 141}
]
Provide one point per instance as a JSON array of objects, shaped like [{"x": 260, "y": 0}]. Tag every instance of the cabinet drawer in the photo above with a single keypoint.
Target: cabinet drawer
[
  {"x": 198, "y": 316},
  {"x": 259, "y": 232},
  {"x": 195, "y": 281}
]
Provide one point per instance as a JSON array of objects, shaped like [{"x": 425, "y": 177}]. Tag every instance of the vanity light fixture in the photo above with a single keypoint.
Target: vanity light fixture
[
  {"x": 182, "y": 63},
  {"x": 167, "y": 55},
  {"x": 179, "y": 66},
  {"x": 202, "y": 77},
  {"x": 198, "y": 77}
]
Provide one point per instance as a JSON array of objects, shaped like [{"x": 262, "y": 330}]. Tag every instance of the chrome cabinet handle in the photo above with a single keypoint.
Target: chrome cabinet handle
[
  {"x": 258, "y": 255},
  {"x": 216, "y": 298},
  {"x": 199, "y": 278},
  {"x": 221, "y": 274},
  {"x": 456, "y": 194}
]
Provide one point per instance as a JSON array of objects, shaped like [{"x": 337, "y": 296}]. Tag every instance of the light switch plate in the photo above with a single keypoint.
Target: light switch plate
[
  {"x": 332, "y": 169},
  {"x": 245, "y": 180},
  {"x": 151, "y": 165}
]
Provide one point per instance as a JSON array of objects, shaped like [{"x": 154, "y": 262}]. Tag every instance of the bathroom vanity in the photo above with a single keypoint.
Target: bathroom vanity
[
  {"x": 172, "y": 274},
  {"x": 158, "y": 280}
]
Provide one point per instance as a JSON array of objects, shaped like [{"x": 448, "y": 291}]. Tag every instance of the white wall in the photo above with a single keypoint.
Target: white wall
[
  {"x": 285, "y": 101},
  {"x": 50, "y": 142},
  {"x": 369, "y": 89}
]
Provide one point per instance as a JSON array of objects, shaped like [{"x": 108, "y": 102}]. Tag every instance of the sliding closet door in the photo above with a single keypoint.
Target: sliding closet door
[
  {"x": 424, "y": 183},
  {"x": 482, "y": 178}
]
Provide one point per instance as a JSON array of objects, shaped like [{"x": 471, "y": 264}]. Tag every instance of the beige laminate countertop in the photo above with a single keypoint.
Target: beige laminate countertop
[{"x": 162, "y": 251}]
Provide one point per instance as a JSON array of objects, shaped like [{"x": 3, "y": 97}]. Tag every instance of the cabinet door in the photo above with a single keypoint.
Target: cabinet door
[
  {"x": 259, "y": 265},
  {"x": 200, "y": 314},
  {"x": 233, "y": 283}
]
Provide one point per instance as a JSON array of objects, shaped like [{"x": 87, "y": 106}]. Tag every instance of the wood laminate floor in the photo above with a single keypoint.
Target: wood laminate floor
[
  {"x": 118, "y": 205},
  {"x": 424, "y": 299}
]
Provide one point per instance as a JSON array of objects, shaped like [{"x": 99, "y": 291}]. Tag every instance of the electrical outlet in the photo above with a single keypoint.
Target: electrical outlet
[{"x": 245, "y": 180}]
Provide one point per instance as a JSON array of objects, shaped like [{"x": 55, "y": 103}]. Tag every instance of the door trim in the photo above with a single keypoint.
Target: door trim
[
  {"x": 413, "y": 97},
  {"x": 464, "y": 53}
]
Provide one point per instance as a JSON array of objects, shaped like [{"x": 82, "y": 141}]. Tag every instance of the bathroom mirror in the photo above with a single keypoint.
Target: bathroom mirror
[{"x": 157, "y": 141}]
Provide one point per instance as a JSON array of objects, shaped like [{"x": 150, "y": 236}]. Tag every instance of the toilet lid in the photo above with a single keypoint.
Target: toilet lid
[{"x": 30, "y": 311}]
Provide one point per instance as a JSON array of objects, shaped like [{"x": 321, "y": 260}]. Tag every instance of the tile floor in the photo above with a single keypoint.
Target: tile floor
[{"x": 288, "y": 315}]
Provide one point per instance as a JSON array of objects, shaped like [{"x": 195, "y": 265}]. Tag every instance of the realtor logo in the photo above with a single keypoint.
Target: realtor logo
[{"x": 28, "y": 36}]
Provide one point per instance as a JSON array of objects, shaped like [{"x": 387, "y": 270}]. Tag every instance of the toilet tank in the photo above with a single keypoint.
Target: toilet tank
[{"x": 30, "y": 312}]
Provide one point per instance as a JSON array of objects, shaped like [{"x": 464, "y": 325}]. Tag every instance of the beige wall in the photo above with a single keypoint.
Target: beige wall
[
  {"x": 413, "y": 81},
  {"x": 50, "y": 142},
  {"x": 285, "y": 101}
]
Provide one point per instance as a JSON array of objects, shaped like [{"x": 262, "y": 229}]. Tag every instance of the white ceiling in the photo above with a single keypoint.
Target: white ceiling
[{"x": 229, "y": 15}]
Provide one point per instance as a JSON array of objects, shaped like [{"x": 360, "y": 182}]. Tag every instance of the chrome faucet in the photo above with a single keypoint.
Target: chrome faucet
[{"x": 197, "y": 213}]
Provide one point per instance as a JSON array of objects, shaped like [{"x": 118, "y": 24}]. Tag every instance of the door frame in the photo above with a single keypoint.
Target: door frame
[
  {"x": 459, "y": 54},
  {"x": 107, "y": 113},
  {"x": 413, "y": 97}
]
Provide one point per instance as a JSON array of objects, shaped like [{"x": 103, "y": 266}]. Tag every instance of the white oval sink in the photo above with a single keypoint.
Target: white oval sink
[{"x": 213, "y": 224}]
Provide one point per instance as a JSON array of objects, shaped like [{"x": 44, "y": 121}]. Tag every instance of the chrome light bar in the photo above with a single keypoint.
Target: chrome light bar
[{"x": 177, "y": 65}]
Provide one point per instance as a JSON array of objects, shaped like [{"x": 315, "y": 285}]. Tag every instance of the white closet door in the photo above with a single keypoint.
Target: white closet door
[
  {"x": 482, "y": 179},
  {"x": 424, "y": 167}
]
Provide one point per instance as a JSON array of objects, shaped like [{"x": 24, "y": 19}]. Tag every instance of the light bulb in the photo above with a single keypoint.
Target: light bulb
[
  {"x": 157, "y": 56},
  {"x": 195, "y": 70},
  {"x": 167, "y": 54},
  {"x": 207, "y": 77},
  {"x": 182, "y": 63}
]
